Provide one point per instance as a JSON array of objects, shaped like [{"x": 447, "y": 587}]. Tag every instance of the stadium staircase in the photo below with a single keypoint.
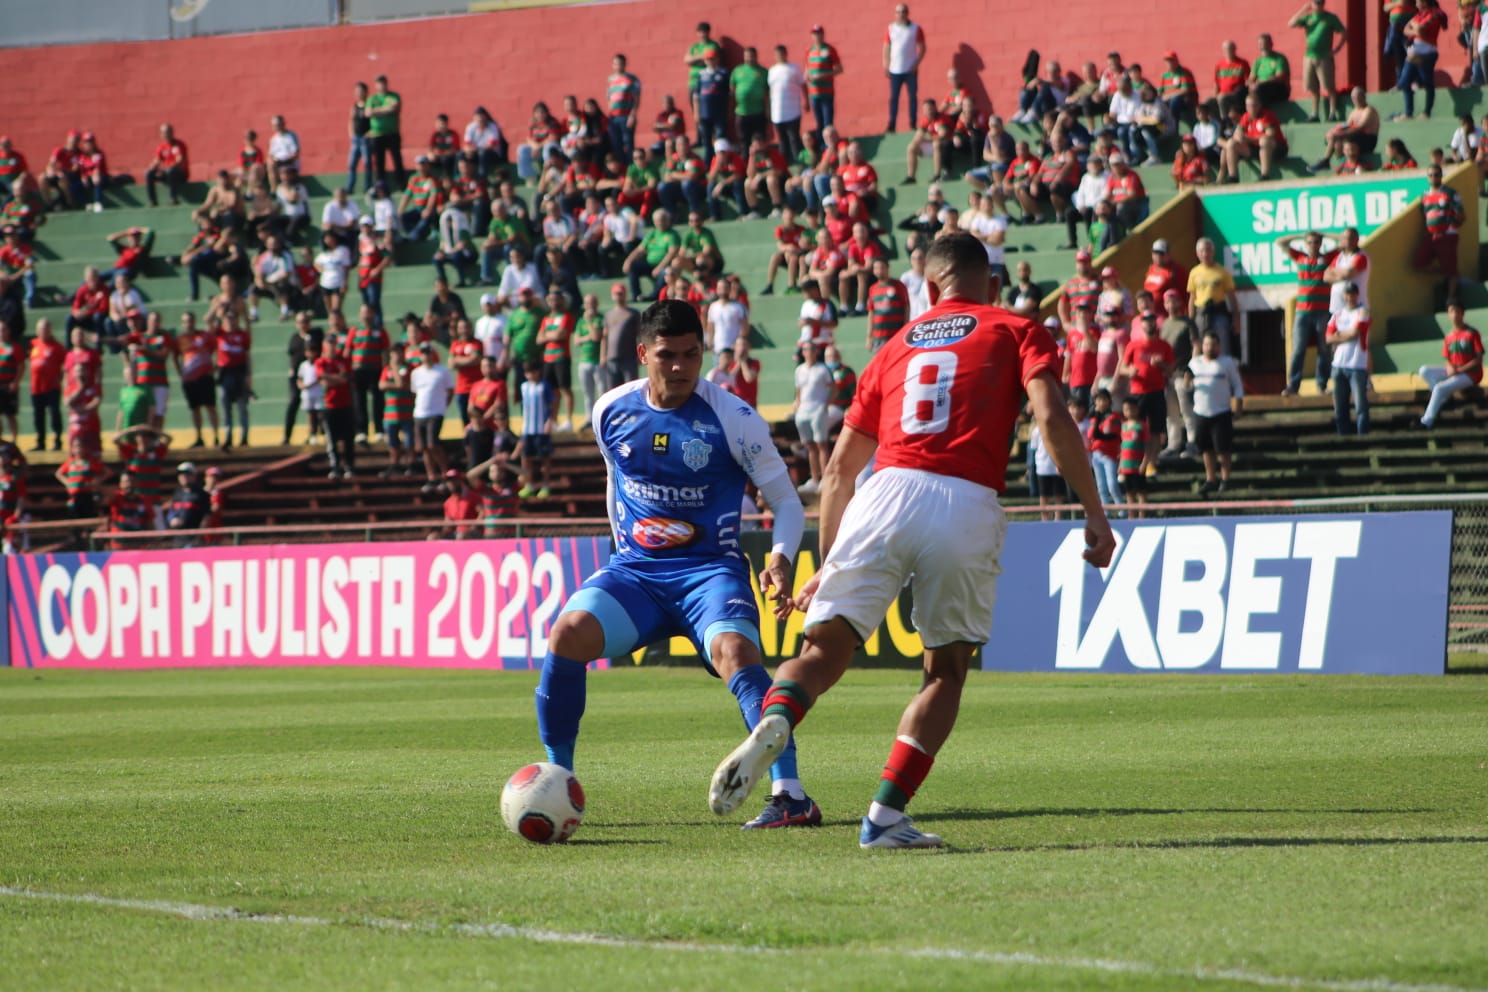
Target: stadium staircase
[{"x": 1283, "y": 448}]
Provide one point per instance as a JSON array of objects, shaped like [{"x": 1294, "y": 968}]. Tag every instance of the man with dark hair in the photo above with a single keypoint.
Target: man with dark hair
[
  {"x": 933, "y": 410},
  {"x": 679, "y": 451},
  {"x": 385, "y": 133}
]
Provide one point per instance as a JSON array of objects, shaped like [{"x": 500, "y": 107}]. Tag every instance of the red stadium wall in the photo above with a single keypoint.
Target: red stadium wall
[{"x": 214, "y": 88}]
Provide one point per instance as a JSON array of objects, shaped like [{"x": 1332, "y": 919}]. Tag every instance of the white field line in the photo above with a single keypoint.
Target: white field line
[{"x": 503, "y": 931}]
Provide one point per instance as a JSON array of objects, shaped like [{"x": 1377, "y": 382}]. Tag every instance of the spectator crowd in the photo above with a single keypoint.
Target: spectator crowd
[{"x": 601, "y": 190}]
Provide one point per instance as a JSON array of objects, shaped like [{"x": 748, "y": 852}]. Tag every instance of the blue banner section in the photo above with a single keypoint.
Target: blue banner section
[{"x": 1354, "y": 594}]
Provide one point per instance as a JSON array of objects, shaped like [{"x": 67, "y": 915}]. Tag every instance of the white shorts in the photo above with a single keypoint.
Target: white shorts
[
  {"x": 941, "y": 535},
  {"x": 812, "y": 426},
  {"x": 162, "y": 400}
]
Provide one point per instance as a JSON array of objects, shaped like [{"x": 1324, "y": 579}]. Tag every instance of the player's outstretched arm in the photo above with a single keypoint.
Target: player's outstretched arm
[{"x": 1062, "y": 437}]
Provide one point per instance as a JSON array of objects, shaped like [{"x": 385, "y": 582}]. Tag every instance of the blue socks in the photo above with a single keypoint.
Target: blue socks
[
  {"x": 560, "y": 705},
  {"x": 749, "y": 686}
]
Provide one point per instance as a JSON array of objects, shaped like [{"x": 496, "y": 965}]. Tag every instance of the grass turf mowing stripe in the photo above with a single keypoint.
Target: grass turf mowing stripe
[{"x": 503, "y": 931}]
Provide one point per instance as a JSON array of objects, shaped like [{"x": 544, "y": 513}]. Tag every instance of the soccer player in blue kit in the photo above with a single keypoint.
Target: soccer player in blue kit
[{"x": 678, "y": 452}]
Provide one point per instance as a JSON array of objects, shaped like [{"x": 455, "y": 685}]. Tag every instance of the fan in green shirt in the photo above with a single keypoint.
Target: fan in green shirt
[
  {"x": 1319, "y": 29},
  {"x": 699, "y": 51},
  {"x": 749, "y": 84},
  {"x": 384, "y": 99},
  {"x": 657, "y": 244},
  {"x": 645, "y": 175},
  {"x": 698, "y": 240},
  {"x": 1270, "y": 75},
  {"x": 136, "y": 404},
  {"x": 521, "y": 331}
]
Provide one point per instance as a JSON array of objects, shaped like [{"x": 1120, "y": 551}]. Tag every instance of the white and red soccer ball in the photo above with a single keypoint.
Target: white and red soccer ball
[{"x": 543, "y": 803}]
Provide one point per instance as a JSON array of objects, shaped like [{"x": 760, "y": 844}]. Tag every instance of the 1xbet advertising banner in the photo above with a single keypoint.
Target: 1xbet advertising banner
[
  {"x": 1361, "y": 594},
  {"x": 1246, "y": 223},
  {"x": 466, "y": 604}
]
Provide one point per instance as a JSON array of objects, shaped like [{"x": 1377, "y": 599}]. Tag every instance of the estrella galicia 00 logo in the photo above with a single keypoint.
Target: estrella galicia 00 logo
[
  {"x": 940, "y": 331},
  {"x": 661, "y": 533}
]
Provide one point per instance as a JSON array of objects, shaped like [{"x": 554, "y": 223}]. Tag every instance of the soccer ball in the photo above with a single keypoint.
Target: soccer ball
[{"x": 543, "y": 803}]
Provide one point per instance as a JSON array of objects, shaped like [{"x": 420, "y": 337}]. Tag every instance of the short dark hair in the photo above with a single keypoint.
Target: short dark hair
[
  {"x": 670, "y": 319},
  {"x": 960, "y": 252}
]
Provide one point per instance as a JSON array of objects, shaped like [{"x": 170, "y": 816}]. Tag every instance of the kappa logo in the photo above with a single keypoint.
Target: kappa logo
[
  {"x": 661, "y": 443},
  {"x": 695, "y": 453},
  {"x": 623, "y": 449}
]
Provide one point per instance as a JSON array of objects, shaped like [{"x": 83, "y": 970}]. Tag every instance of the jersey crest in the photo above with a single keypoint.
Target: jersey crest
[{"x": 695, "y": 453}]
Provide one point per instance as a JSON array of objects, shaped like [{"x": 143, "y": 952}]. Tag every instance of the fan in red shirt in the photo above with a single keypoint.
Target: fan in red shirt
[
  {"x": 1127, "y": 194},
  {"x": 726, "y": 176},
  {"x": 934, "y": 410},
  {"x": 1081, "y": 345},
  {"x": 852, "y": 282},
  {"x": 89, "y": 303},
  {"x": 47, "y": 360},
  {"x": 788, "y": 252},
  {"x": 669, "y": 124},
  {"x": 465, "y": 362},
  {"x": 932, "y": 137},
  {"x": 1190, "y": 166},
  {"x": 765, "y": 175},
  {"x": 836, "y": 223},
  {"x": 859, "y": 177},
  {"x": 170, "y": 166},
  {"x": 1257, "y": 135},
  {"x": 1165, "y": 275},
  {"x": 1148, "y": 360},
  {"x": 462, "y": 508},
  {"x": 92, "y": 169},
  {"x": 234, "y": 376},
  {"x": 60, "y": 176}
]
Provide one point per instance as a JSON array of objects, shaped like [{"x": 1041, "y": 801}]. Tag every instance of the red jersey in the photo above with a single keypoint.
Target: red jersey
[
  {"x": 487, "y": 395},
  {"x": 839, "y": 229},
  {"x": 1103, "y": 436},
  {"x": 727, "y": 166},
  {"x": 63, "y": 159},
  {"x": 1461, "y": 347},
  {"x": 471, "y": 374},
  {"x": 744, "y": 389},
  {"x": 1081, "y": 348},
  {"x": 92, "y": 164},
  {"x": 89, "y": 301},
  {"x": 943, "y": 396},
  {"x": 128, "y": 512},
  {"x": 197, "y": 352},
  {"x": 47, "y": 360},
  {"x": 1144, "y": 354},
  {"x": 458, "y": 509},
  {"x": 825, "y": 259},
  {"x": 1159, "y": 280},
  {"x": 1429, "y": 24},
  {"x": 233, "y": 348},
  {"x": 337, "y": 395},
  {"x": 858, "y": 178},
  {"x": 248, "y": 157},
  {"x": 1253, "y": 127},
  {"x": 83, "y": 366},
  {"x": 1119, "y": 189},
  {"x": 171, "y": 154},
  {"x": 82, "y": 417},
  {"x": 863, "y": 255}
]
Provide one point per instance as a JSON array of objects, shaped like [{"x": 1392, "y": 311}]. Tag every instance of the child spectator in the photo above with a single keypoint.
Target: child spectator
[
  {"x": 312, "y": 392},
  {"x": 486, "y": 412},
  {"x": 1050, "y": 484},
  {"x": 539, "y": 404},
  {"x": 1134, "y": 444},
  {"x": 1081, "y": 344},
  {"x": 80, "y": 475},
  {"x": 332, "y": 263},
  {"x": 128, "y": 511},
  {"x": 1103, "y": 438}
]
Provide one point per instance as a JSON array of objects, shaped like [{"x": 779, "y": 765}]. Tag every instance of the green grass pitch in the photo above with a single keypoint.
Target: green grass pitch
[{"x": 338, "y": 829}]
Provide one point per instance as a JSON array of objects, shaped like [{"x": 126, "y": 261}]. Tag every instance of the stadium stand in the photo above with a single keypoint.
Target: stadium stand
[{"x": 1284, "y": 448}]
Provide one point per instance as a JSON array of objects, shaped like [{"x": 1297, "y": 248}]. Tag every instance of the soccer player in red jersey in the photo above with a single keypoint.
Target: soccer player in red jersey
[{"x": 934, "y": 410}]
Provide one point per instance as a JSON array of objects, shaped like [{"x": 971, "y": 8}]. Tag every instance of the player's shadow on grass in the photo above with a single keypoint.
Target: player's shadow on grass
[
  {"x": 1095, "y": 812},
  {"x": 1218, "y": 842}
]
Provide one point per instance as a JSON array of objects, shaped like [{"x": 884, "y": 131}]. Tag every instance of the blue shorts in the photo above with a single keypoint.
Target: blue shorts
[{"x": 640, "y": 603}]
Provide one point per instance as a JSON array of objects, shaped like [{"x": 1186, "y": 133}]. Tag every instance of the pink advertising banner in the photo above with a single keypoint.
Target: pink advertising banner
[{"x": 444, "y": 604}]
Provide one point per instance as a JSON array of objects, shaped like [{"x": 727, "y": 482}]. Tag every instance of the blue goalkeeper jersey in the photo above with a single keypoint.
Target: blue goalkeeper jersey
[{"x": 677, "y": 477}]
